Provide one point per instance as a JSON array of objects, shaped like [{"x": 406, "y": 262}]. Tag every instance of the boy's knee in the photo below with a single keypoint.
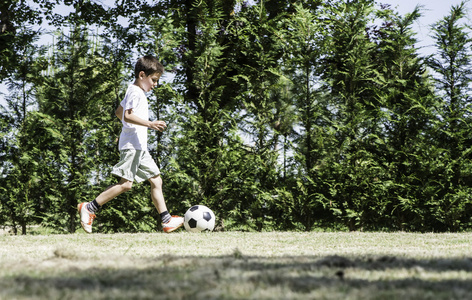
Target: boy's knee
[
  {"x": 156, "y": 181},
  {"x": 127, "y": 185}
]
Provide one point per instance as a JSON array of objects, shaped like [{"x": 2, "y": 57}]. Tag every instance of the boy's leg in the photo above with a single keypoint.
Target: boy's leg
[
  {"x": 157, "y": 195},
  {"x": 169, "y": 223},
  {"x": 87, "y": 210},
  {"x": 113, "y": 191}
]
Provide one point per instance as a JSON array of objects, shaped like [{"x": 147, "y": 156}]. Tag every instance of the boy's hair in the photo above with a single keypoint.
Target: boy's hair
[{"x": 149, "y": 64}]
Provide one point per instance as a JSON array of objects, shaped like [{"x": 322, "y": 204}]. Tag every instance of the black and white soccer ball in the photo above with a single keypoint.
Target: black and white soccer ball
[{"x": 199, "y": 218}]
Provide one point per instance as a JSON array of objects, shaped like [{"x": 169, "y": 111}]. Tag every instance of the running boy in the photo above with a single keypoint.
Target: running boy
[{"x": 135, "y": 161}]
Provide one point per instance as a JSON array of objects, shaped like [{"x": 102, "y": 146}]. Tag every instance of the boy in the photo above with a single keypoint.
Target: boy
[{"x": 135, "y": 161}]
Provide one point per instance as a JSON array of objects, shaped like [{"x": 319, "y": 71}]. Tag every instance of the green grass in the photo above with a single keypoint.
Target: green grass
[{"x": 237, "y": 265}]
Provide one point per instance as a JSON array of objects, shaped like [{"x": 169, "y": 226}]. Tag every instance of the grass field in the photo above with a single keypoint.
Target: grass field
[{"x": 237, "y": 265}]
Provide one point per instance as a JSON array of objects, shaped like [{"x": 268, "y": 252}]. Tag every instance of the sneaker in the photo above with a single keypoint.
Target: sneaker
[
  {"x": 86, "y": 217},
  {"x": 175, "y": 223}
]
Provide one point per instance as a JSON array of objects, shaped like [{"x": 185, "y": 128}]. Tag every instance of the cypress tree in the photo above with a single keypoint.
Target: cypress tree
[
  {"x": 452, "y": 73},
  {"x": 403, "y": 121},
  {"x": 305, "y": 48},
  {"x": 348, "y": 72},
  {"x": 19, "y": 167},
  {"x": 78, "y": 99}
]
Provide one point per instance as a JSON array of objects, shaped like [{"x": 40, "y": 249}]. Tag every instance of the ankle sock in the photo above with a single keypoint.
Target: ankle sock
[
  {"x": 93, "y": 206},
  {"x": 165, "y": 216}
]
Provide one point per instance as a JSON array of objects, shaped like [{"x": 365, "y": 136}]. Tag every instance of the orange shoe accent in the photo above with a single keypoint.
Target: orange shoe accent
[
  {"x": 175, "y": 223},
  {"x": 86, "y": 217}
]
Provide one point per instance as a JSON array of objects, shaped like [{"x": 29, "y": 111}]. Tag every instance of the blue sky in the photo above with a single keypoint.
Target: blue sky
[{"x": 432, "y": 11}]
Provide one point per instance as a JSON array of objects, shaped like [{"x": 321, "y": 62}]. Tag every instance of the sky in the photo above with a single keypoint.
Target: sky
[{"x": 432, "y": 11}]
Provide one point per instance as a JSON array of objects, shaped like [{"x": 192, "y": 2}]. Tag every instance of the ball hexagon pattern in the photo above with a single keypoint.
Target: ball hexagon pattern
[{"x": 199, "y": 218}]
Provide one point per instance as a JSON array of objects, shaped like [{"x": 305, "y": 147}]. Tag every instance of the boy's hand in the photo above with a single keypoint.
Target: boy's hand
[{"x": 158, "y": 125}]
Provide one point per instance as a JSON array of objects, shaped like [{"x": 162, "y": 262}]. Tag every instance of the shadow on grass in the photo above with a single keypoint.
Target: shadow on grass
[{"x": 244, "y": 277}]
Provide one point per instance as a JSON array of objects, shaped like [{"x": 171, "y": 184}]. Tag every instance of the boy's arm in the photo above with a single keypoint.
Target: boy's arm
[
  {"x": 119, "y": 112},
  {"x": 133, "y": 119}
]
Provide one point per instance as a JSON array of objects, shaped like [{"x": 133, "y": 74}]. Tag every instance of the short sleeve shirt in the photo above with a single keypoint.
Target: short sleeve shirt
[{"x": 134, "y": 136}]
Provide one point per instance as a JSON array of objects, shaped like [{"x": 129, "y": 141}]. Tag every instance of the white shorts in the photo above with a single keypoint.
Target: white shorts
[{"x": 136, "y": 165}]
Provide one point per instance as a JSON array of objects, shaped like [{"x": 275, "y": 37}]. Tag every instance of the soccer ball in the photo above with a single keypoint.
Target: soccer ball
[{"x": 199, "y": 218}]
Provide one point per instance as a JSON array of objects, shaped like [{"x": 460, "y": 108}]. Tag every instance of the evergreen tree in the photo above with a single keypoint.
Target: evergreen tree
[
  {"x": 19, "y": 167},
  {"x": 260, "y": 74},
  {"x": 78, "y": 99},
  {"x": 16, "y": 20},
  {"x": 401, "y": 143},
  {"x": 452, "y": 67},
  {"x": 305, "y": 48},
  {"x": 196, "y": 168},
  {"x": 349, "y": 73}
]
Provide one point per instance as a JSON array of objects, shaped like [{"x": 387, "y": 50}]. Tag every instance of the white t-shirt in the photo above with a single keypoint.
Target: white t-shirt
[{"x": 134, "y": 136}]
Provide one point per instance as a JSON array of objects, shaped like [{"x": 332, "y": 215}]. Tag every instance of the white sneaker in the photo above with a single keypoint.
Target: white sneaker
[
  {"x": 86, "y": 217},
  {"x": 175, "y": 223}
]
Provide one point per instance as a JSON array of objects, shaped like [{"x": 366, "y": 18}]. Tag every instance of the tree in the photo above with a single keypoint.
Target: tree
[
  {"x": 259, "y": 42},
  {"x": 78, "y": 99},
  {"x": 19, "y": 167},
  {"x": 348, "y": 74},
  {"x": 203, "y": 101},
  {"x": 406, "y": 108},
  {"x": 305, "y": 47},
  {"x": 16, "y": 18},
  {"x": 452, "y": 67}
]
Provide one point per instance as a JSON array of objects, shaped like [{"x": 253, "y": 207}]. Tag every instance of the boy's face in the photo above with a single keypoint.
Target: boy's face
[{"x": 147, "y": 83}]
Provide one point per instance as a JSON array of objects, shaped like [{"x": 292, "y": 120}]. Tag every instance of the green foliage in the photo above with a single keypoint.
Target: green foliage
[
  {"x": 453, "y": 68},
  {"x": 349, "y": 74},
  {"x": 21, "y": 168},
  {"x": 305, "y": 44},
  {"x": 281, "y": 115},
  {"x": 407, "y": 108},
  {"x": 78, "y": 102},
  {"x": 17, "y": 18}
]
